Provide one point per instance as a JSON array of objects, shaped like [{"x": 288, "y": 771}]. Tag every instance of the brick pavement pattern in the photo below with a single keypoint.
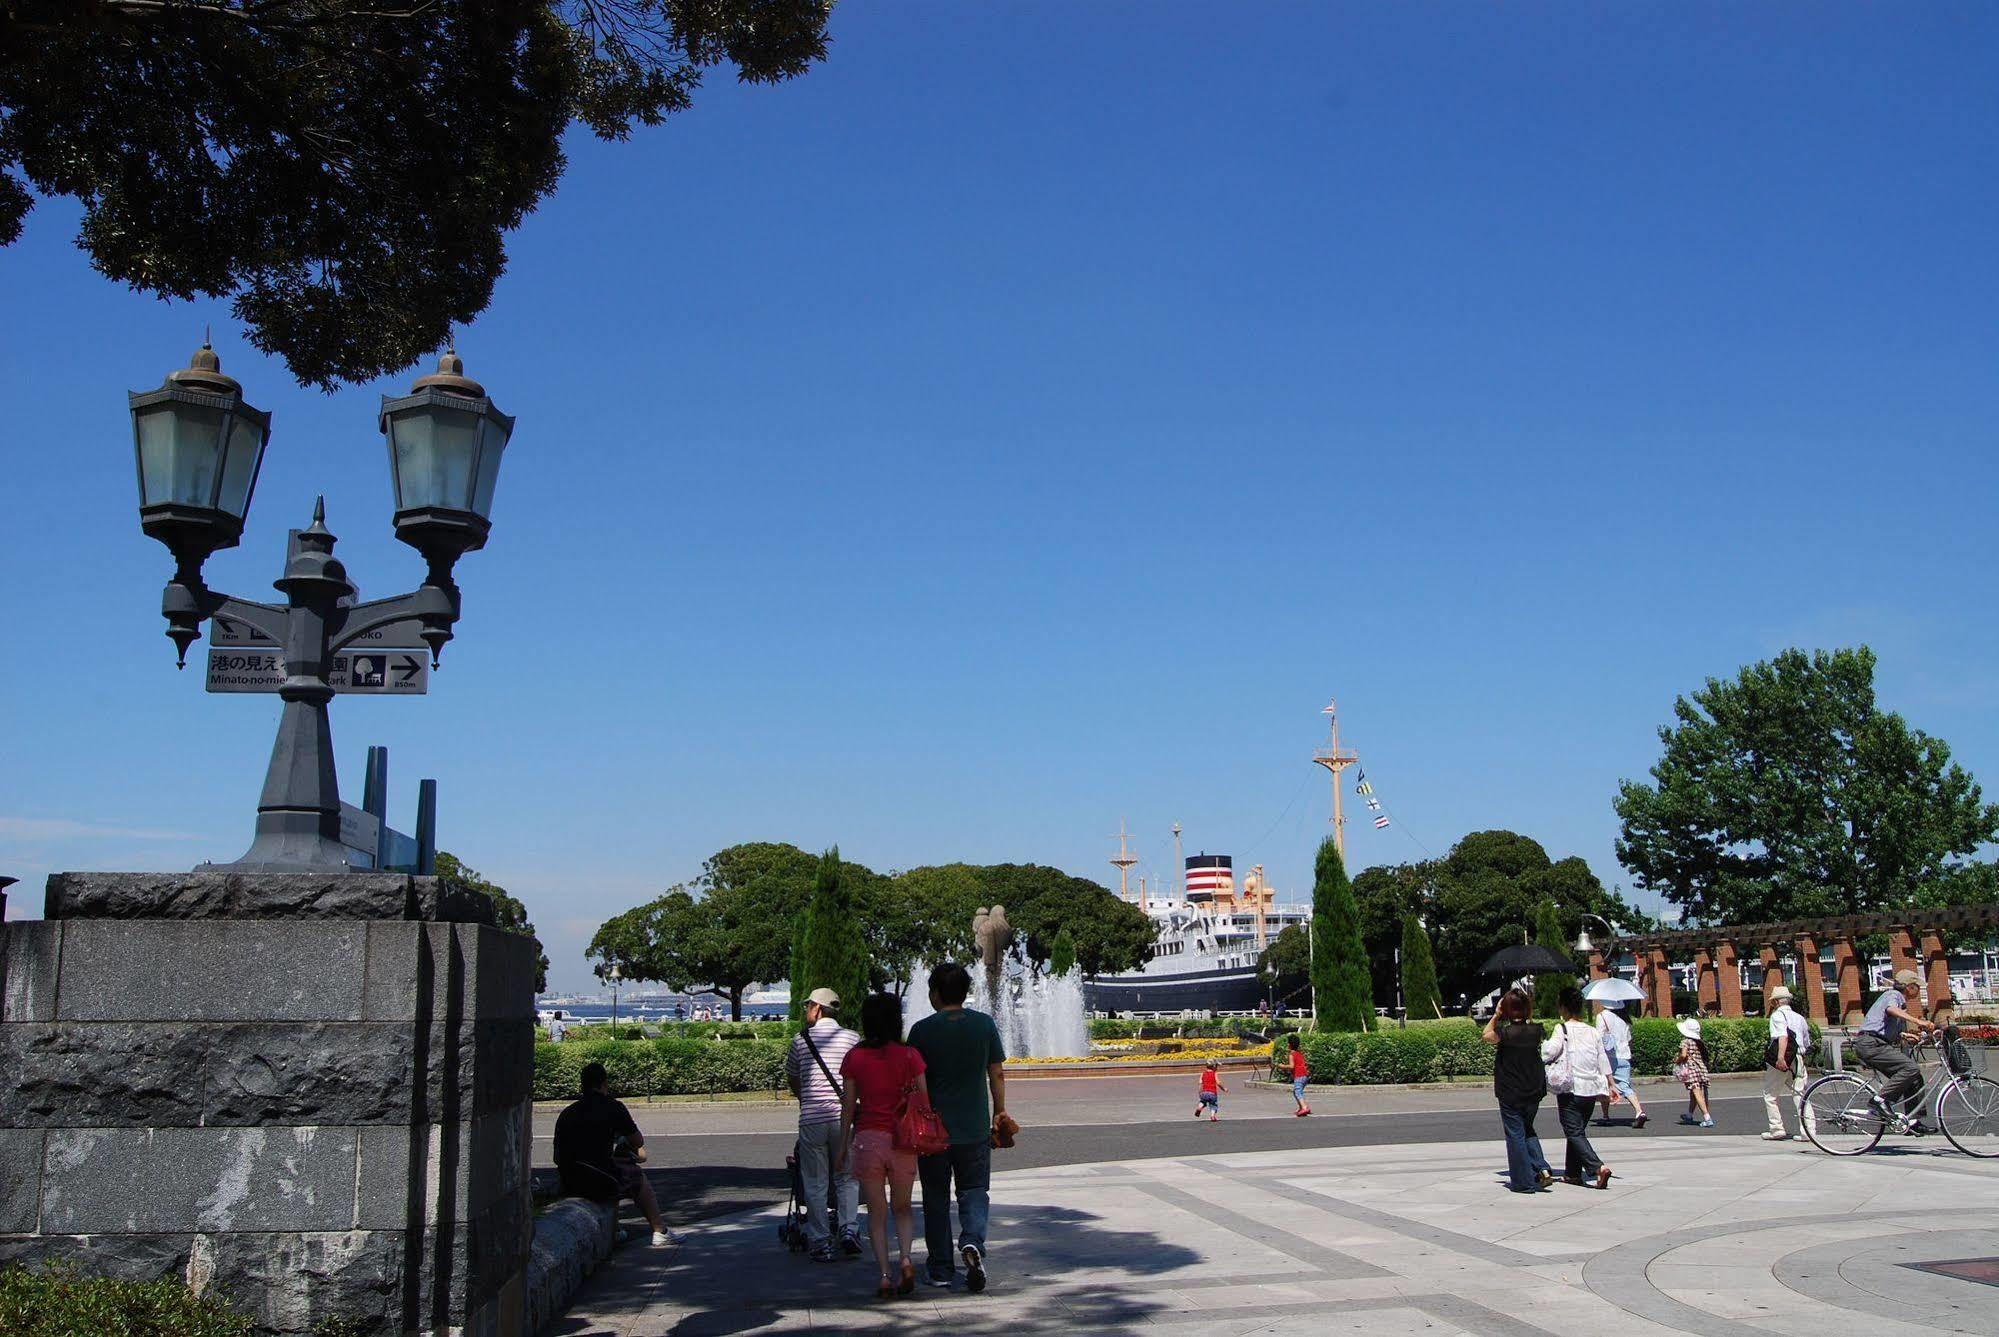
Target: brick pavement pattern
[{"x": 1726, "y": 1237}]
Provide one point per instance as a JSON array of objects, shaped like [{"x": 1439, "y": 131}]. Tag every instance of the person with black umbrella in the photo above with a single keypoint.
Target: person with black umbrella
[{"x": 1519, "y": 1082}]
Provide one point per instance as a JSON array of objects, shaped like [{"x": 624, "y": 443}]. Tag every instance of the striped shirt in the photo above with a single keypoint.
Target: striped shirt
[{"x": 817, "y": 1101}]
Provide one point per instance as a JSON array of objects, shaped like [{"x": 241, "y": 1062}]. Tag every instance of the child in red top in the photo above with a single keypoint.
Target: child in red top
[
  {"x": 1298, "y": 1075},
  {"x": 1211, "y": 1092}
]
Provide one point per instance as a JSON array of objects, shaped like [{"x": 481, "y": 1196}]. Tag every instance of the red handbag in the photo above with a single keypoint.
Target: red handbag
[{"x": 918, "y": 1126}]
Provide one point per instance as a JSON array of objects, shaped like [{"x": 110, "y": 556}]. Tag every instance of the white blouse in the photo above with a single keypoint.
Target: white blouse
[{"x": 1585, "y": 1051}]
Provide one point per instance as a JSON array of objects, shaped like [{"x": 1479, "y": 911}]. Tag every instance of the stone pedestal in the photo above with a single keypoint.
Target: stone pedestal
[{"x": 316, "y": 1105}]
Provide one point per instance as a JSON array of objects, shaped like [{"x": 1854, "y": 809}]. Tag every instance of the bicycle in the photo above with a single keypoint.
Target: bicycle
[{"x": 1843, "y": 1113}]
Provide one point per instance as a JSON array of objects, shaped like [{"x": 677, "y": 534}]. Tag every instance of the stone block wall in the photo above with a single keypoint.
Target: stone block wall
[{"x": 319, "y": 1117}]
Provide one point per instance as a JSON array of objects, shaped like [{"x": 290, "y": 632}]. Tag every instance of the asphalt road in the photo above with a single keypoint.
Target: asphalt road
[{"x": 710, "y": 1159}]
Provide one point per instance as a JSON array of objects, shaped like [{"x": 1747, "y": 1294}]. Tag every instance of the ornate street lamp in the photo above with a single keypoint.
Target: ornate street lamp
[
  {"x": 616, "y": 975},
  {"x": 199, "y": 448}
]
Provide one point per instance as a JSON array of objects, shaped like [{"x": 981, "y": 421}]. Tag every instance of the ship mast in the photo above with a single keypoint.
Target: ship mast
[
  {"x": 1335, "y": 761},
  {"x": 1179, "y": 864},
  {"x": 1123, "y": 863}
]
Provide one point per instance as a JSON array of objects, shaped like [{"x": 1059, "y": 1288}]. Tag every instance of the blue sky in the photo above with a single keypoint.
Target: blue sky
[{"x": 1029, "y": 418}]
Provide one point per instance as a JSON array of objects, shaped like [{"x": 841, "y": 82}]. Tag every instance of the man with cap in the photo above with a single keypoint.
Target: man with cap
[
  {"x": 1882, "y": 1035},
  {"x": 1784, "y": 1063},
  {"x": 809, "y": 1066}
]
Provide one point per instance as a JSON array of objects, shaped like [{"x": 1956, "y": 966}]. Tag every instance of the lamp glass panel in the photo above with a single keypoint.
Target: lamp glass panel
[
  {"x": 437, "y": 449},
  {"x": 239, "y": 466},
  {"x": 180, "y": 449},
  {"x": 495, "y": 436}
]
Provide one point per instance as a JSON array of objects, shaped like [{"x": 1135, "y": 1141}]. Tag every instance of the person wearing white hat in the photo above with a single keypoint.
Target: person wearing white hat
[
  {"x": 1784, "y": 1074},
  {"x": 1691, "y": 1069},
  {"x": 1890, "y": 1024},
  {"x": 809, "y": 1066}
]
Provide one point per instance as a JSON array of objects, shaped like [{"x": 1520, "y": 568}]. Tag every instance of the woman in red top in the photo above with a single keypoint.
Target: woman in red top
[
  {"x": 875, "y": 1077},
  {"x": 1298, "y": 1075}
]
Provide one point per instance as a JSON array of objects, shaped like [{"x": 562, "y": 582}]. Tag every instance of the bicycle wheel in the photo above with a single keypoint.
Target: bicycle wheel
[
  {"x": 1968, "y": 1113},
  {"x": 1840, "y": 1114}
]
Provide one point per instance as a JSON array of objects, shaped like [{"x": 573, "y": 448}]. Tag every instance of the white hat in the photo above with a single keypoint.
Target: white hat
[
  {"x": 1691, "y": 1028},
  {"x": 826, "y": 998},
  {"x": 1780, "y": 994}
]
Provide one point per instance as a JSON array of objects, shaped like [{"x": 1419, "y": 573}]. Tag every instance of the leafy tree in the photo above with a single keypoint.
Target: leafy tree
[
  {"x": 347, "y": 172},
  {"x": 940, "y": 901},
  {"x": 513, "y": 915},
  {"x": 1787, "y": 793},
  {"x": 1385, "y": 896},
  {"x": 1340, "y": 988},
  {"x": 1419, "y": 971},
  {"x": 724, "y": 933},
  {"x": 1548, "y": 933},
  {"x": 1285, "y": 964},
  {"x": 1111, "y": 935},
  {"x": 1062, "y": 955},
  {"x": 831, "y": 949}
]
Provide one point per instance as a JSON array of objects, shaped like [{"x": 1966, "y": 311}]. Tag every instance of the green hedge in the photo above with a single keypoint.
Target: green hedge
[
  {"x": 668, "y": 1066},
  {"x": 61, "y": 1302},
  {"x": 1454, "y": 1048}
]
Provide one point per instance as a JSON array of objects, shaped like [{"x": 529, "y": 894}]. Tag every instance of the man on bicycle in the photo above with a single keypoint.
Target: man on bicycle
[{"x": 1880, "y": 1041}]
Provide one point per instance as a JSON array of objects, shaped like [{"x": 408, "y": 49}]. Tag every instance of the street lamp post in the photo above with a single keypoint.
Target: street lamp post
[
  {"x": 199, "y": 448},
  {"x": 616, "y": 975}
]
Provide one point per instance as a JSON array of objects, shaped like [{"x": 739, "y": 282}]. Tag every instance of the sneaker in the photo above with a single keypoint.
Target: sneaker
[
  {"x": 825, "y": 1253},
  {"x": 1776, "y": 1137},
  {"x": 975, "y": 1268},
  {"x": 850, "y": 1243},
  {"x": 1639, "y": 1121},
  {"x": 1705, "y": 1123},
  {"x": 662, "y": 1239},
  {"x": 1197, "y": 1111},
  {"x": 1689, "y": 1120},
  {"x": 942, "y": 1283}
]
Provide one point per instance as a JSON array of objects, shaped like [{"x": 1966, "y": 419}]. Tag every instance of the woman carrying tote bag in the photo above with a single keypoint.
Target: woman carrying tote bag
[{"x": 1574, "y": 1057}]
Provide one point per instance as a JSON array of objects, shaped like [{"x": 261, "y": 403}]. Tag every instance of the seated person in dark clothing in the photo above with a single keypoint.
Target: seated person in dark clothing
[{"x": 598, "y": 1149}]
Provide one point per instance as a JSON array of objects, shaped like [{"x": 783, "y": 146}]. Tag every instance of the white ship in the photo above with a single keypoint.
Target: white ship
[{"x": 1210, "y": 936}]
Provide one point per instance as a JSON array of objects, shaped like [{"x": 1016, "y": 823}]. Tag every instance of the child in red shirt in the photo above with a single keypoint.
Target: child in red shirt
[
  {"x": 1298, "y": 1075},
  {"x": 1211, "y": 1089}
]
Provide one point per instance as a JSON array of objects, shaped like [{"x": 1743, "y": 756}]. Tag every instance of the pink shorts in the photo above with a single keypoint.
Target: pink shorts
[{"x": 876, "y": 1158}]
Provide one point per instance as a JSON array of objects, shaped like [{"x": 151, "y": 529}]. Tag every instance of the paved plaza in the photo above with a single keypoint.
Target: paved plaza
[{"x": 1727, "y": 1236}]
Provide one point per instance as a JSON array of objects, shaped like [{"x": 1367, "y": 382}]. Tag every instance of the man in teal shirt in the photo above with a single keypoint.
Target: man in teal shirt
[{"x": 963, "y": 1062}]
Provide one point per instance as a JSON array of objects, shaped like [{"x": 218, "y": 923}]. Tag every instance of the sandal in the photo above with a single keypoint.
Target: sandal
[
  {"x": 886, "y": 1290},
  {"x": 908, "y": 1278}
]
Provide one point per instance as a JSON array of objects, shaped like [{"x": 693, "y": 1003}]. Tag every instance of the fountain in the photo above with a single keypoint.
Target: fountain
[{"x": 1038, "y": 1015}]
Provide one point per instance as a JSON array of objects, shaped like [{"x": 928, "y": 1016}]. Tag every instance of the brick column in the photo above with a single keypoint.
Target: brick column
[
  {"x": 1704, "y": 982},
  {"x": 1846, "y": 968},
  {"x": 1661, "y": 982},
  {"x": 1902, "y": 951},
  {"x": 1773, "y": 973},
  {"x": 1728, "y": 978},
  {"x": 1810, "y": 985},
  {"x": 1597, "y": 969},
  {"x": 1936, "y": 967}
]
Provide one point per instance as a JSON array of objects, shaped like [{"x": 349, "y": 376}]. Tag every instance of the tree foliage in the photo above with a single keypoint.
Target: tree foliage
[
  {"x": 1340, "y": 987},
  {"x": 1787, "y": 792},
  {"x": 1285, "y": 964},
  {"x": 1549, "y": 984},
  {"x": 1111, "y": 935},
  {"x": 1479, "y": 897},
  {"x": 1062, "y": 955},
  {"x": 513, "y": 915},
  {"x": 346, "y": 172},
  {"x": 1420, "y": 998},
  {"x": 830, "y": 950}
]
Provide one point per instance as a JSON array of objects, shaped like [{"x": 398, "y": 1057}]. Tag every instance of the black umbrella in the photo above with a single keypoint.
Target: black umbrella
[{"x": 1526, "y": 959}]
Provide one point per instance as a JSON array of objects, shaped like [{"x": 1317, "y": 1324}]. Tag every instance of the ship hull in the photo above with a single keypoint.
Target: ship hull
[{"x": 1228, "y": 990}]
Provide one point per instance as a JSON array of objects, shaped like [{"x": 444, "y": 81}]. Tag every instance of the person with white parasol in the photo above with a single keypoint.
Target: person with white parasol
[{"x": 1610, "y": 995}]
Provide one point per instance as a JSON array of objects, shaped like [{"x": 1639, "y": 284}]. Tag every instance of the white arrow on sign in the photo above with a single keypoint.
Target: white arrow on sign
[
  {"x": 223, "y": 631},
  {"x": 390, "y": 672}
]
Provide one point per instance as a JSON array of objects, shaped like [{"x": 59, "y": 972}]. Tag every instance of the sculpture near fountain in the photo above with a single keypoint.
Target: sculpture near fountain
[{"x": 994, "y": 936}]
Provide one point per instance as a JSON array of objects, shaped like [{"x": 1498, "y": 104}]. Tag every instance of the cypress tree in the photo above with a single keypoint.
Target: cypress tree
[
  {"x": 1342, "y": 993},
  {"x": 1548, "y": 933},
  {"x": 1419, "y": 972},
  {"x": 1062, "y": 954},
  {"x": 829, "y": 951}
]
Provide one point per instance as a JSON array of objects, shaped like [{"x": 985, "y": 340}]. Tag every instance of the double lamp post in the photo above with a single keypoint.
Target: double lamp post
[{"x": 200, "y": 447}]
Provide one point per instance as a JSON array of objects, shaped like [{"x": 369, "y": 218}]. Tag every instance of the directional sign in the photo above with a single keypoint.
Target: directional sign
[
  {"x": 229, "y": 631},
  {"x": 390, "y": 672}
]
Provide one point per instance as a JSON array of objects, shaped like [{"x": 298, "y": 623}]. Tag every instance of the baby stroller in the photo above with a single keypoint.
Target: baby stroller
[{"x": 792, "y": 1228}]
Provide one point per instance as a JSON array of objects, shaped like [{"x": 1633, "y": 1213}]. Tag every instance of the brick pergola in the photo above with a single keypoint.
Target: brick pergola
[{"x": 1915, "y": 942}]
